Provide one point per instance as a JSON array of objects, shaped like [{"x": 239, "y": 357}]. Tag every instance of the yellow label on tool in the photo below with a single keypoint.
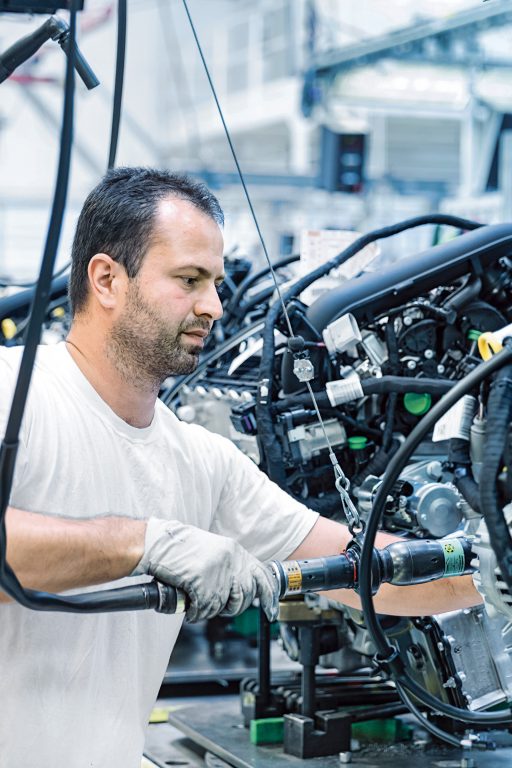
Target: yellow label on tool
[{"x": 294, "y": 578}]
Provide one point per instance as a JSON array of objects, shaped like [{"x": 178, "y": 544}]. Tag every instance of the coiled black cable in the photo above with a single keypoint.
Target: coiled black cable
[
  {"x": 9, "y": 447},
  {"x": 387, "y": 656},
  {"x": 139, "y": 596}
]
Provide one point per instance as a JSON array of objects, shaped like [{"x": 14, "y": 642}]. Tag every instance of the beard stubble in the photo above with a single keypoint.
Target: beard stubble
[{"x": 144, "y": 348}]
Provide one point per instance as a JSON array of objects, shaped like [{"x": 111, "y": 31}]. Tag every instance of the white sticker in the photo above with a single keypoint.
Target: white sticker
[
  {"x": 320, "y": 245},
  {"x": 457, "y": 421}
]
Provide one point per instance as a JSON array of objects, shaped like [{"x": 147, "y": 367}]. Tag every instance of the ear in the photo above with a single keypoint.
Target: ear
[{"x": 107, "y": 280}]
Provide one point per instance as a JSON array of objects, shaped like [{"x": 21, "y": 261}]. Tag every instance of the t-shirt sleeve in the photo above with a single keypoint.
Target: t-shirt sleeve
[{"x": 251, "y": 508}]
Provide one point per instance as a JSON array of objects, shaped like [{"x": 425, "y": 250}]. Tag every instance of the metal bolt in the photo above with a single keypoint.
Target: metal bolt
[
  {"x": 408, "y": 320},
  {"x": 441, "y": 368},
  {"x": 411, "y": 364},
  {"x": 345, "y": 757},
  {"x": 429, "y": 354}
]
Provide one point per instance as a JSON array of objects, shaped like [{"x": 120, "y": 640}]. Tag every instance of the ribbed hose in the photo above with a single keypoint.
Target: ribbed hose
[
  {"x": 387, "y": 435},
  {"x": 458, "y": 455},
  {"x": 499, "y": 414}
]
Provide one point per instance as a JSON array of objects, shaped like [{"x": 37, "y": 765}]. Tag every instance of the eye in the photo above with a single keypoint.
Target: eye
[{"x": 189, "y": 281}]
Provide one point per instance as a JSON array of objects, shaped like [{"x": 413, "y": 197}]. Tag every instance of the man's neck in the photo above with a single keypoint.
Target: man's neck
[{"x": 134, "y": 403}]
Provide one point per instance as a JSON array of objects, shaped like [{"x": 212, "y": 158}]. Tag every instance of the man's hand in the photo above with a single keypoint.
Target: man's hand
[{"x": 217, "y": 574}]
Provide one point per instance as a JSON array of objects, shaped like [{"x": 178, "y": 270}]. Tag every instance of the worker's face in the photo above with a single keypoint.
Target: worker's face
[{"x": 170, "y": 306}]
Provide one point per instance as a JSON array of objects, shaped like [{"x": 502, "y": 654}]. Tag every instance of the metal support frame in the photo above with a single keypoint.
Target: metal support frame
[{"x": 416, "y": 42}]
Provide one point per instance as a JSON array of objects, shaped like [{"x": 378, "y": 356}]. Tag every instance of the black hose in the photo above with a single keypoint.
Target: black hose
[
  {"x": 499, "y": 414},
  {"x": 464, "y": 296},
  {"x": 403, "y": 384},
  {"x": 392, "y": 345},
  {"x": 269, "y": 446},
  {"x": 377, "y": 464},
  {"x": 139, "y": 596},
  {"x": 9, "y": 447},
  {"x": 21, "y": 301},
  {"x": 387, "y": 656},
  {"x": 430, "y": 727},
  {"x": 384, "y": 385},
  {"x": 387, "y": 435},
  {"x": 250, "y": 280},
  {"x": 119, "y": 81},
  {"x": 463, "y": 480},
  {"x": 258, "y": 298}
]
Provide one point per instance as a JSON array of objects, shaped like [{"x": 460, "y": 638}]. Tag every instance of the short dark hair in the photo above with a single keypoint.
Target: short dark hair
[{"x": 118, "y": 219}]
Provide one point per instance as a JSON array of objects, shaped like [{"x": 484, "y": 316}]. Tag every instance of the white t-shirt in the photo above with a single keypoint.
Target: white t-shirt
[{"x": 77, "y": 689}]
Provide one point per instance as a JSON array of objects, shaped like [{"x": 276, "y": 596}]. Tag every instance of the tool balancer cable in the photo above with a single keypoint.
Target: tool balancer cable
[{"x": 387, "y": 656}]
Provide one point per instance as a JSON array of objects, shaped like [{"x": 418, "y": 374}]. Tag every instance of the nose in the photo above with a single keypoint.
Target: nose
[{"x": 208, "y": 303}]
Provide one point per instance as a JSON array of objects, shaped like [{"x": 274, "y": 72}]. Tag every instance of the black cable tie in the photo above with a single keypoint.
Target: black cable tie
[{"x": 391, "y": 665}]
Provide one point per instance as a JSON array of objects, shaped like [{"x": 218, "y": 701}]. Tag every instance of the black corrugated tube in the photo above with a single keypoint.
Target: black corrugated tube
[
  {"x": 499, "y": 414},
  {"x": 458, "y": 455},
  {"x": 403, "y": 384}
]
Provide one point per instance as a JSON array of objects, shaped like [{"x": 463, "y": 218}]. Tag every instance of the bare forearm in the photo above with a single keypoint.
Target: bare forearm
[
  {"x": 330, "y": 538},
  {"x": 54, "y": 554}
]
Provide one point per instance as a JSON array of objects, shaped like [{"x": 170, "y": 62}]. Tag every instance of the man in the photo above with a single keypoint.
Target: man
[{"x": 165, "y": 498}]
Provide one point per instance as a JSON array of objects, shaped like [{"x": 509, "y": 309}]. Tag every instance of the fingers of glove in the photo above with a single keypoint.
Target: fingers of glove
[
  {"x": 204, "y": 607},
  {"x": 240, "y": 597},
  {"x": 266, "y": 590}
]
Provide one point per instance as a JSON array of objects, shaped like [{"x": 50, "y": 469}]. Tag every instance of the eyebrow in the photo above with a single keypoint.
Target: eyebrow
[{"x": 202, "y": 271}]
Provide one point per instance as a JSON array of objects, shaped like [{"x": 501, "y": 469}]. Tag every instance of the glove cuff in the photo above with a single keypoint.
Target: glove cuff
[{"x": 155, "y": 528}]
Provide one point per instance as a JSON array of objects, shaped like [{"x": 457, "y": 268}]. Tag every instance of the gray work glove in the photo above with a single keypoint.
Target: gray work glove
[{"x": 217, "y": 574}]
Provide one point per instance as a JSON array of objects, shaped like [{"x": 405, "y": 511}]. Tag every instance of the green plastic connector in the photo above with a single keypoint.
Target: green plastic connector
[
  {"x": 417, "y": 404},
  {"x": 386, "y": 731},
  {"x": 357, "y": 442},
  {"x": 473, "y": 334},
  {"x": 269, "y": 730},
  {"x": 246, "y": 624}
]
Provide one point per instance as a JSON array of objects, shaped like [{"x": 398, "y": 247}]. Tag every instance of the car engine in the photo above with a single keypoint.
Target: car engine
[{"x": 379, "y": 351}]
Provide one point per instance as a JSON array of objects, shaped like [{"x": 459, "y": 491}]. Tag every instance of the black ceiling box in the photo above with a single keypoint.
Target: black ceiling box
[{"x": 36, "y": 6}]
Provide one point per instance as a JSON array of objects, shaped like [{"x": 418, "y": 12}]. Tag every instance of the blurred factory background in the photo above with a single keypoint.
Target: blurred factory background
[{"x": 344, "y": 115}]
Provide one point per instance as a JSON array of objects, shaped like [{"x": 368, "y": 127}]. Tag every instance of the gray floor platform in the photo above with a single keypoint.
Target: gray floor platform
[{"x": 214, "y": 725}]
